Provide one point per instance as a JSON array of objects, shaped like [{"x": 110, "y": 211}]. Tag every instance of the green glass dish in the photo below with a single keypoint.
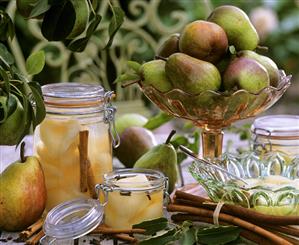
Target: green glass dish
[{"x": 271, "y": 182}]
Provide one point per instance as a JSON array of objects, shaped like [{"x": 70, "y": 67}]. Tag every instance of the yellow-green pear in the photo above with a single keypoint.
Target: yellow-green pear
[
  {"x": 162, "y": 157},
  {"x": 239, "y": 30},
  {"x": 153, "y": 73},
  {"x": 22, "y": 194}
]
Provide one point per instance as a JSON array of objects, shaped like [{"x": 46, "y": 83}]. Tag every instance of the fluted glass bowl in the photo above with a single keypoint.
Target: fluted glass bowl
[
  {"x": 216, "y": 109},
  {"x": 280, "y": 196}
]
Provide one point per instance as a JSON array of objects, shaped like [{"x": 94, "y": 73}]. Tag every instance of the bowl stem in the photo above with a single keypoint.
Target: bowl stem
[{"x": 212, "y": 140}]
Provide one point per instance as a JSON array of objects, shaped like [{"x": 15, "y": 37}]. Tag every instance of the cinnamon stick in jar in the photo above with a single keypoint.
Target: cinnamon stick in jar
[{"x": 87, "y": 182}]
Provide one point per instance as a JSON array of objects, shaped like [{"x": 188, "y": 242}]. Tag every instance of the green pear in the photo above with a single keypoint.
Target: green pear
[
  {"x": 170, "y": 46},
  {"x": 153, "y": 73},
  {"x": 134, "y": 142},
  {"x": 204, "y": 40},
  {"x": 23, "y": 194},
  {"x": 245, "y": 73},
  {"x": 162, "y": 157},
  {"x": 237, "y": 26},
  {"x": 12, "y": 128},
  {"x": 129, "y": 120},
  {"x": 192, "y": 75},
  {"x": 269, "y": 64}
]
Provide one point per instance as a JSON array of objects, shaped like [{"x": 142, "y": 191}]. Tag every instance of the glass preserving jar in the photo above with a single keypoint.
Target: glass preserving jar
[
  {"x": 133, "y": 196},
  {"x": 74, "y": 142},
  {"x": 130, "y": 196},
  {"x": 276, "y": 133}
]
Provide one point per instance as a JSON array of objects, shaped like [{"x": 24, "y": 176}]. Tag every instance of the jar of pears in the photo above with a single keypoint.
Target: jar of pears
[
  {"x": 74, "y": 142},
  {"x": 276, "y": 133}
]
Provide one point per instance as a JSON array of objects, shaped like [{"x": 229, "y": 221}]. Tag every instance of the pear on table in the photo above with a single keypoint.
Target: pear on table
[{"x": 23, "y": 193}]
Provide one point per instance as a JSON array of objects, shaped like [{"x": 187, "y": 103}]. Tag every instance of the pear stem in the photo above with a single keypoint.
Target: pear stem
[
  {"x": 130, "y": 83},
  {"x": 172, "y": 133},
  {"x": 22, "y": 152},
  {"x": 160, "y": 57}
]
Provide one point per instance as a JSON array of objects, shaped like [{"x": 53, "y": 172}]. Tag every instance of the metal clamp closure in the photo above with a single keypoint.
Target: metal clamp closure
[
  {"x": 104, "y": 189},
  {"x": 109, "y": 118},
  {"x": 257, "y": 145}
]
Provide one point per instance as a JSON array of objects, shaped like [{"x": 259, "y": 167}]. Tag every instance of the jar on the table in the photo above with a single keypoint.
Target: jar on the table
[
  {"x": 74, "y": 142},
  {"x": 276, "y": 133},
  {"x": 130, "y": 196}
]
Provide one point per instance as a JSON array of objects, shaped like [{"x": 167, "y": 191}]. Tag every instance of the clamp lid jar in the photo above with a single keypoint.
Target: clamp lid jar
[
  {"x": 276, "y": 133},
  {"x": 133, "y": 196},
  {"x": 74, "y": 142}
]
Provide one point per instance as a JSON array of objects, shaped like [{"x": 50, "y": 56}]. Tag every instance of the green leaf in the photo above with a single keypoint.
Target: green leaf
[
  {"x": 187, "y": 234},
  {"x": 5, "y": 78},
  {"x": 5, "y": 55},
  {"x": 160, "y": 239},
  {"x": 40, "y": 7},
  {"x": 134, "y": 66},
  {"x": 152, "y": 226},
  {"x": 196, "y": 140},
  {"x": 126, "y": 78},
  {"x": 158, "y": 120},
  {"x": 6, "y": 26},
  {"x": 78, "y": 45},
  {"x": 218, "y": 234},
  {"x": 40, "y": 111},
  {"x": 35, "y": 62},
  {"x": 115, "y": 24},
  {"x": 59, "y": 21}
]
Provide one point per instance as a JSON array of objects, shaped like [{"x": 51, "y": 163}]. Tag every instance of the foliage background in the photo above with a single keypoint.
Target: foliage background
[{"x": 147, "y": 24}]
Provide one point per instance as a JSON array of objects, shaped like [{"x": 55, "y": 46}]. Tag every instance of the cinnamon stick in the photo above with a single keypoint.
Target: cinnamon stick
[
  {"x": 249, "y": 235},
  {"x": 83, "y": 152},
  {"x": 125, "y": 237},
  {"x": 231, "y": 219},
  {"x": 107, "y": 230},
  {"x": 28, "y": 232},
  {"x": 237, "y": 210},
  {"x": 34, "y": 240},
  {"x": 87, "y": 181},
  {"x": 288, "y": 238}
]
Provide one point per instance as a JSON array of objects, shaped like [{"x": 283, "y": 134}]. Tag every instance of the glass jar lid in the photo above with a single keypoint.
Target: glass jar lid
[
  {"x": 73, "y": 219},
  {"x": 277, "y": 126}
]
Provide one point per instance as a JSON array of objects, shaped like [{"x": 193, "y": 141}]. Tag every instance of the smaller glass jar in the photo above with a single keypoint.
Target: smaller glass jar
[
  {"x": 129, "y": 196},
  {"x": 276, "y": 133},
  {"x": 133, "y": 196}
]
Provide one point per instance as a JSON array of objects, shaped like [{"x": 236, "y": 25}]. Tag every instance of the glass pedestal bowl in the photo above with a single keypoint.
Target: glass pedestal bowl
[
  {"x": 213, "y": 111},
  {"x": 271, "y": 182}
]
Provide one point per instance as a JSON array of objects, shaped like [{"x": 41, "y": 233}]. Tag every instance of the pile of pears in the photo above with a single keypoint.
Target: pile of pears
[{"x": 217, "y": 54}]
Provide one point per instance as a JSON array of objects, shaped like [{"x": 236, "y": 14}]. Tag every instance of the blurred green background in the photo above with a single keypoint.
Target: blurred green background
[{"x": 148, "y": 23}]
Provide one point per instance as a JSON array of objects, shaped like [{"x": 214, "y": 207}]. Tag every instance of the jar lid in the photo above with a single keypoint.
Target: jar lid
[
  {"x": 277, "y": 125},
  {"x": 73, "y": 219}
]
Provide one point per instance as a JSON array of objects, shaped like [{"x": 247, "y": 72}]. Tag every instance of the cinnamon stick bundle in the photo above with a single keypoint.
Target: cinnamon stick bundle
[
  {"x": 34, "y": 240},
  {"x": 230, "y": 219},
  {"x": 28, "y": 232},
  {"x": 197, "y": 201},
  {"x": 103, "y": 229}
]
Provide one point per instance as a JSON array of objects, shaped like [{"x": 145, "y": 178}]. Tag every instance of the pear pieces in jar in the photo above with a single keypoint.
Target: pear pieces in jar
[{"x": 126, "y": 208}]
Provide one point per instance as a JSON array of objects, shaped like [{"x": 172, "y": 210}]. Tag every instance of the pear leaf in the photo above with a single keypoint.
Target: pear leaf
[
  {"x": 40, "y": 111},
  {"x": 126, "y": 77},
  {"x": 115, "y": 24},
  {"x": 40, "y": 7},
  {"x": 59, "y": 21},
  {"x": 134, "y": 65},
  {"x": 158, "y": 120},
  {"x": 5, "y": 55},
  {"x": 152, "y": 226},
  {"x": 160, "y": 239},
  {"x": 214, "y": 235},
  {"x": 35, "y": 62}
]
